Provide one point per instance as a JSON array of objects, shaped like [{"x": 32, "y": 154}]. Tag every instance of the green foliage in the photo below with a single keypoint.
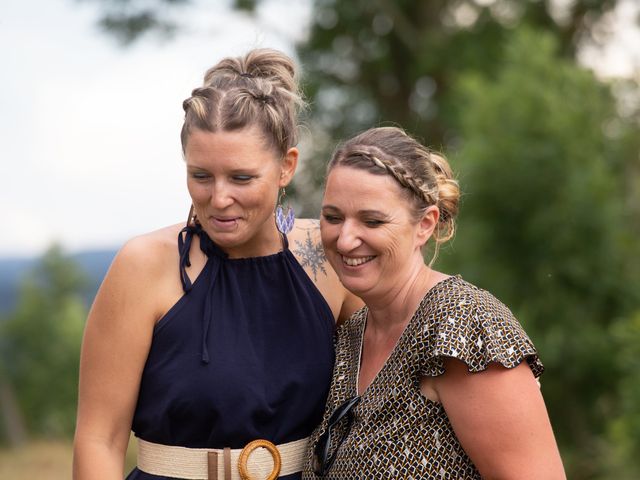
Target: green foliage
[
  {"x": 248, "y": 5},
  {"x": 129, "y": 20},
  {"x": 41, "y": 345},
  {"x": 623, "y": 436},
  {"x": 396, "y": 62},
  {"x": 543, "y": 226}
]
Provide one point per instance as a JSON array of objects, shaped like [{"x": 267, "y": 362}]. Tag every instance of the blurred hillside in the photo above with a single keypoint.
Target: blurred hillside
[{"x": 13, "y": 271}]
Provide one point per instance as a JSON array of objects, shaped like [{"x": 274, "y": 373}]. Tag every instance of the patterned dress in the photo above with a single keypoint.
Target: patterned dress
[{"x": 396, "y": 431}]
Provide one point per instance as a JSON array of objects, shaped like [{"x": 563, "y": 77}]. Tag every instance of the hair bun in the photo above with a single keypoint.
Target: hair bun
[
  {"x": 259, "y": 89},
  {"x": 448, "y": 196}
]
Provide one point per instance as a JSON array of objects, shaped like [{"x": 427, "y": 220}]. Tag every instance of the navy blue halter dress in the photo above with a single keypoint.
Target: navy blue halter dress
[{"x": 246, "y": 353}]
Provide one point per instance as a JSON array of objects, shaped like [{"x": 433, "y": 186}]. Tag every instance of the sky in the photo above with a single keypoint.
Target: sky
[{"x": 89, "y": 131}]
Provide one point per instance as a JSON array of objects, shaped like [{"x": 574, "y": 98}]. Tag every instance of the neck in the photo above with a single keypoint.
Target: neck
[
  {"x": 266, "y": 242},
  {"x": 396, "y": 307}
]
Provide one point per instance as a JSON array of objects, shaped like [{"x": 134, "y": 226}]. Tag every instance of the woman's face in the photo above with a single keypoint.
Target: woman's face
[
  {"x": 368, "y": 232},
  {"x": 233, "y": 180}
]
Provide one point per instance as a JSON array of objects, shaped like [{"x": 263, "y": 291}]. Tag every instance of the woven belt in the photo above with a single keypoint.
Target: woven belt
[{"x": 258, "y": 460}]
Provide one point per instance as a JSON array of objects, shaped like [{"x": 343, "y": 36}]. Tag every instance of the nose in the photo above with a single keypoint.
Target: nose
[
  {"x": 221, "y": 196},
  {"x": 348, "y": 237}
]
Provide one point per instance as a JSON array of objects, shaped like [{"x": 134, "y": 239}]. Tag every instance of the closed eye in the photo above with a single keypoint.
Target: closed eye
[
  {"x": 331, "y": 218},
  {"x": 200, "y": 175},
  {"x": 242, "y": 178},
  {"x": 373, "y": 223}
]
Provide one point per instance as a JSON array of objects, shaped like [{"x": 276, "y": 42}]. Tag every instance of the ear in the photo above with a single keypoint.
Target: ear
[
  {"x": 288, "y": 166},
  {"x": 427, "y": 224}
]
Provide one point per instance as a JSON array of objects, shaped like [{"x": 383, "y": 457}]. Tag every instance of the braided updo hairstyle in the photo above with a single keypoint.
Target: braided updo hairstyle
[
  {"x": 425, "y": 176},
  {"x": 259, "y": 89}
]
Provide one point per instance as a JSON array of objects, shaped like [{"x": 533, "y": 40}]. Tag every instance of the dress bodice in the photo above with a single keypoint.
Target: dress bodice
[{"x": 246, "y": 353}]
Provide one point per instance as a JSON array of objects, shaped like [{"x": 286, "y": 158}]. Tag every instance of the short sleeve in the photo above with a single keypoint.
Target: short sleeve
[{"x": 467, "y": 323}]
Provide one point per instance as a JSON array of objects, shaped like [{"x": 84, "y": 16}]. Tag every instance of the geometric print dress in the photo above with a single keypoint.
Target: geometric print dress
[{"x": 396, "y": 431}]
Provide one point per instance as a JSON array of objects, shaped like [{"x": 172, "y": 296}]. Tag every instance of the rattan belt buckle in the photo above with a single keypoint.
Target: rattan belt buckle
[{"x": 249, "y": 448}]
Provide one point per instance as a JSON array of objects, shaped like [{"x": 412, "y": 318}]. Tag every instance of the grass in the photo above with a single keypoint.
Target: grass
[
  {"x": 42, "y": 459},
  {"x": 50, "y": 459}
]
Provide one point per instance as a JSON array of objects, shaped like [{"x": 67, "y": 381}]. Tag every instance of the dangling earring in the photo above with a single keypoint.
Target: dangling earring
[
  {"x": 192, "y": 219},
  {"x": 284, "y": 220}
]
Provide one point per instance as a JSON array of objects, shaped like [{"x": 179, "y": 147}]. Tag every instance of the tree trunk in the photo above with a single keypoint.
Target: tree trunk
[{"x": 11, "y": 415}]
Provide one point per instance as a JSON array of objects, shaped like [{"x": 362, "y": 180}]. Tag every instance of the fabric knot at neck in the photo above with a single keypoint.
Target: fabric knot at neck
[{"x": 211, "y": 250}]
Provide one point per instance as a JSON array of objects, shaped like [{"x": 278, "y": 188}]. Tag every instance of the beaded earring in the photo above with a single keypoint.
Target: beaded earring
[{"x": 284, "y": 220}]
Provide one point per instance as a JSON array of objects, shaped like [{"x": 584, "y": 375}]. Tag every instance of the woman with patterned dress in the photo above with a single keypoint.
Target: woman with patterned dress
[
  {"x": 434, "y": 377},
  {"x": 213, "y": 340}
]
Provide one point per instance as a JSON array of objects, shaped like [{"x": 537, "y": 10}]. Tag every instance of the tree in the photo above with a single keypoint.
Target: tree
[
  {"x": 129, "y": 20},
  {"x": 41, "y": 345},
  {"x": 11, "y": 418},
  {"x": 624, "y": 429},
  {"x": 544, "y": 227},
  {"x": 396, "y": 61}
]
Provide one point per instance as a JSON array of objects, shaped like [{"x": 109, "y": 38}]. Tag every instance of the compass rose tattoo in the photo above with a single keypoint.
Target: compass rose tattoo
[{"x": 312, "y": 255}]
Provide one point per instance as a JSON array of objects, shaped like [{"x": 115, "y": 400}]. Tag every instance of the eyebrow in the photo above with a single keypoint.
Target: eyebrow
[
  {"x": 360, "y": 212},
  {"x": 235, "y": 171},
  {"x": 249, "y": 170}
]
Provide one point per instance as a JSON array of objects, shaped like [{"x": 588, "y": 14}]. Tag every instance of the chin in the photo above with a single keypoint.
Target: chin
[
  {"x": 226, "y": 240},
  {"x": 355, "y": 287}
]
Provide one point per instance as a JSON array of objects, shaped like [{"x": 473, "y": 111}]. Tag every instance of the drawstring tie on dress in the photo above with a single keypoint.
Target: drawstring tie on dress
[{"x": 185, "y": 238}]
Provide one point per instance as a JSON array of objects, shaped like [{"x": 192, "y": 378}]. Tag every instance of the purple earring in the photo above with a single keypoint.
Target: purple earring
[{"x": 284, "y": 219}]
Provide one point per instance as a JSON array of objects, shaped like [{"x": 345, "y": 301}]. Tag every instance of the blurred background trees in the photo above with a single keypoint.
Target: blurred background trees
[
  {"x": 40, "y": 351},
  {"x": 544, "y": 226},
  {"x": 548, "y": 159}
]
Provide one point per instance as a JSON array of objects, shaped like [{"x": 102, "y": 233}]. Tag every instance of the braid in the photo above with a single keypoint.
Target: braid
[
  {"x": 424, "y": 174},
  {"x": 404, "y": 178},
  {"x": 424, "y": 193}
]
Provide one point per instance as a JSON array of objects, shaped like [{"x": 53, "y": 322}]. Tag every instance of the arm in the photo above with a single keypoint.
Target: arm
[
  {"x": 115, "y": 346},
  {"x": 501, "y": 420}
]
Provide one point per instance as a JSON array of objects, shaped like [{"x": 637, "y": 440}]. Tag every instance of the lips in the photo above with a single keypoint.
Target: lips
[
  {"x": 356, "y": 261},
  {"x": 224, "y": 223}
]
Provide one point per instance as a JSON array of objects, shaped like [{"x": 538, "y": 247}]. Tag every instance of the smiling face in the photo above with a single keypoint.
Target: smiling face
[
  {"x": 233, "y": 180},
  {"x": 368, "y": 232}
]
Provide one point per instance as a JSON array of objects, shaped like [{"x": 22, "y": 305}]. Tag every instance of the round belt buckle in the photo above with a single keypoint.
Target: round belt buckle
[{"x": 249, "y": 448}]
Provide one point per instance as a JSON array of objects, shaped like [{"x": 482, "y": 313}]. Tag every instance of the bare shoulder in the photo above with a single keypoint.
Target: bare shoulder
[
  {"x": 311, "y": 225},
  {"x": 305, "y": 243},
  {"x": 307, "y": 223},
  {"x": 153, "y": 250},
  {"x": 144, "y": 272}
]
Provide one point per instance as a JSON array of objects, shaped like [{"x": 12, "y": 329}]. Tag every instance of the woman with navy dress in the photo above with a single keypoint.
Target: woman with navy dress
[{"x": 213, "y": 340}]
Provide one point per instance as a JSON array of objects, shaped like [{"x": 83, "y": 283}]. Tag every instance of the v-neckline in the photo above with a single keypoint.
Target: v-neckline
[{"x": 409, "y": 324}]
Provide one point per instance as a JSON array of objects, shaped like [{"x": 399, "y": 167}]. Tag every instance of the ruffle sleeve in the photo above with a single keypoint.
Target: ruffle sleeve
[{"x": 471, "y": 325}]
